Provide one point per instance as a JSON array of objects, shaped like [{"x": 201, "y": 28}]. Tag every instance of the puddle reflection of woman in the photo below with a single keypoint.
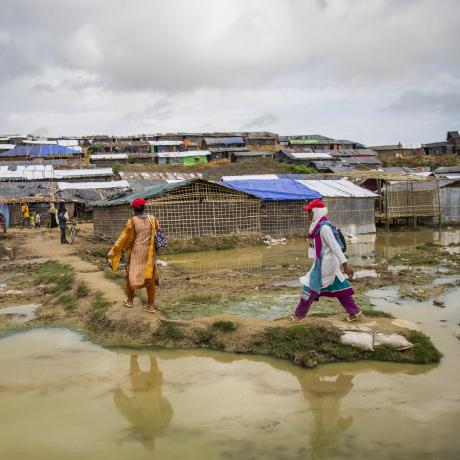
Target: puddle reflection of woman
[
  {"x": 137, "y": 241},
  {"x": 325, "y": 277},
  {"x": 146, "y": 409}
]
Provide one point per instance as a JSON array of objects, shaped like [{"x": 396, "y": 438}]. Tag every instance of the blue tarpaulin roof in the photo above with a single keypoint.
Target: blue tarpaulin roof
[
  {"x": 279, "y": 189},
  {"x": 41, "y": 150}
]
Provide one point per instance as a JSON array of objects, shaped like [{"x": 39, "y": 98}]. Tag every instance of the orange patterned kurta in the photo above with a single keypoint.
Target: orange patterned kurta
[{"x": 137, "y": 241}]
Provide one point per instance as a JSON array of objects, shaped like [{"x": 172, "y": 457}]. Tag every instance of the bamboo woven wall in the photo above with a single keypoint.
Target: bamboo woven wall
[
  {"x": 411, "y": 200},
  {"x": 195, "y": 210},
  {"x": 281, "y": 218}
]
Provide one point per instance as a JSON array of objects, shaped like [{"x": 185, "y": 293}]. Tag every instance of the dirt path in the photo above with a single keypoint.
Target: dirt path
[{"x": 45, "y": 243}]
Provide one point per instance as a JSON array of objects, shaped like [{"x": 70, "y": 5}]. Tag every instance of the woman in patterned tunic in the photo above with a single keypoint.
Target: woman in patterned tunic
[{"x": 137, "y": 243}]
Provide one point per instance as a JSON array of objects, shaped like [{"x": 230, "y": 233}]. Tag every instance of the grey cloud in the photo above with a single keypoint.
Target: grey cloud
[
  {"x": 263, "y": 121},
  {"x": 414, "y": 101}
]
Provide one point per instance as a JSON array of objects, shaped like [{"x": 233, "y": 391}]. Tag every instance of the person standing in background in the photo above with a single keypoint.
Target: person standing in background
[
  {"x": 38, "y": 219},
  {"x": 53, "y": 217},
  {"x": 25, "y": 215},
  {"x": 63, "y": 217}
]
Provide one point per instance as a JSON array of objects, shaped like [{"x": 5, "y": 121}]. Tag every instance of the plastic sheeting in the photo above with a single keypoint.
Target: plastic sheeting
[
  {"x": 279, "y": 189},
  {"x": 42, "y": 150}
]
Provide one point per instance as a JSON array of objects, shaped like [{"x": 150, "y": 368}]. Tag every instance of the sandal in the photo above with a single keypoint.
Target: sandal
[
  {"x": 128, "y": 304},
  {"x": 356, "y": 317},
  {"x": 295, "y": 319},
  {"x": 150, "y": 310}
]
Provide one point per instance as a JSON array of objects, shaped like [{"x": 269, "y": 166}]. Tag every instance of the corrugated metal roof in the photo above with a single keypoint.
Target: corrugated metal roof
[
  {"x": 161, "y": 176},
  {"x": 191, "y": 153},
  {"x": 307, "y": 155},
  {"x": 109, "y": 156},
  {"x": 223, "y": 140},
  {"x": 42, "y": 172},
  {"x": 154, "y": 143},
  {"x": 7, "y": 146},
  {"x": 90, "y": 185},
  {"x": 337, "y": 188},
  {"x": 250, "y": 177}
]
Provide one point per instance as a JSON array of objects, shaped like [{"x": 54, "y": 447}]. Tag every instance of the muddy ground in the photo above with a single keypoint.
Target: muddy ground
[{"x": 73, "y": 286}]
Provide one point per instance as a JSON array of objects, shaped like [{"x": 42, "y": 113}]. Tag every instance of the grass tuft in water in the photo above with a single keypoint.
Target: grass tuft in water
[
  {"x": 424, "y": 350},
  {"x": 58, "y": 275},
  {"x": 225, "y": 326}
]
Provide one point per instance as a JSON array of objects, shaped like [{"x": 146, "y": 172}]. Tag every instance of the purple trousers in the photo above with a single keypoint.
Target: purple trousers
[{"x": 346, "y": 301}]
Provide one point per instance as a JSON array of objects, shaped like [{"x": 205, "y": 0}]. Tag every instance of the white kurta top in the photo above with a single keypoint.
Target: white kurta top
[{"x": 332, "y": 258}]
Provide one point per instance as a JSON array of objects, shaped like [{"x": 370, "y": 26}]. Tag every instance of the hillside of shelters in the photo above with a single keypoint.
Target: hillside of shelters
[{"x": 88, "y": 172}]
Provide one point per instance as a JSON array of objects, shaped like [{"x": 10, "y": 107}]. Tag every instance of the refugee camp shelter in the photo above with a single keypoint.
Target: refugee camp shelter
[
  {"x": 304, "y": 157},
  {"x": 188, "y": 209},
  {"x": 37, "y": 194},
  {"x": 448, "y": 172},
  {"x": 262, "y": 141},
  {"x": 182, "y": 158},
  {"x": 79, "y": 196},
  {"x": 401, "y": 195},
  {"x": 166, "y": 146},
  {"x": 108, "y": 159},
  {"x": 45, "y": 151},
  {"x": 47, "y": 172},
  {"x": 223, "y": 142},
  {"x": 282, "y": 202},
  {"x": 449, "y": 197},
  {"x": 351, "y": 207}
]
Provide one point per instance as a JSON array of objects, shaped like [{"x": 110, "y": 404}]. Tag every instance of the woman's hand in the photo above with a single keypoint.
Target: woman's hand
[{"x": 346, "y": 267}]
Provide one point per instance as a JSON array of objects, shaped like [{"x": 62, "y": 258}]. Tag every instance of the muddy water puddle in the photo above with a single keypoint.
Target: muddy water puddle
[
  {"x": 72, "y": 399},
  {"x": 362, "y": 249},
  {"x": 21, "y": 313}
]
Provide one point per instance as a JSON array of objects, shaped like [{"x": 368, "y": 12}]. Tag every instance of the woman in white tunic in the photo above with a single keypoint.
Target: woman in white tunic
[{"x": 325, "y": 277}]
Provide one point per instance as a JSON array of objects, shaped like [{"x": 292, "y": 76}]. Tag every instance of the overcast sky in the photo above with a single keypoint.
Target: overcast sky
[{"x": 375, "y": 71}]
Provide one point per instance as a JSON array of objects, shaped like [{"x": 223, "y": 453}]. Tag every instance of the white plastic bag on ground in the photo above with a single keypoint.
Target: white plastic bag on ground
[
  {"x": 361, "y": 340},
  {"x": 395, "y": 341}
]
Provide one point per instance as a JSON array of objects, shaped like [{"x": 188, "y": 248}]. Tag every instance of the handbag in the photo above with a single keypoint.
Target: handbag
[{"x": 159, "y": 237}]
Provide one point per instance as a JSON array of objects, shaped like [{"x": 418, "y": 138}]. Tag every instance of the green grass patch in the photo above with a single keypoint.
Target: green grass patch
[
  {"x": 299, "y": 169},
  {"x": 424, "y": 350},
  {"x": 99, "y": 304},
  {"x": 170, "y": 331},
  {"x": 82, "y": 290},
  {"x": 376, "y": 313},
  {"x": 68, "y": 302},
  {"x": 225, "y": 326},
  {"x": 60, "y": 276},
  {"x": 201, "y": 298}
]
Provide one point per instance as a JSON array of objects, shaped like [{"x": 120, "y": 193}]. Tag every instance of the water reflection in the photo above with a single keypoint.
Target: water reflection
[
  {"x": 293, "y": 255},
  {"x": 324, "y": 390},
  {"x": 143, "y": 406}
]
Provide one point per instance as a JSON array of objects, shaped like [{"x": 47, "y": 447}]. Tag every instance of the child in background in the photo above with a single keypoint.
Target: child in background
[
  {"x": 37, "y": 219},
  {"x": 32, "y": 220}
]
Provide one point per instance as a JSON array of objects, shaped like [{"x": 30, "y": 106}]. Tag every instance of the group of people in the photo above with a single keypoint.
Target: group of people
[
  {"x": 57, "y": 217},
  {"x": 30, "y": 219},
  {"x": 328, "y": 277}
]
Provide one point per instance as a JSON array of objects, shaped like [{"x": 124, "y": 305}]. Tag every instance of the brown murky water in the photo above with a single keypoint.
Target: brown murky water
[
  {"x": 294, "y": 253},
  {"x": 64, "y": 398}
]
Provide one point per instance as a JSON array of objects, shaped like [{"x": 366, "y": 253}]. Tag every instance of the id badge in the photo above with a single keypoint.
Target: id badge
[{"x": 311, "y": 253}]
